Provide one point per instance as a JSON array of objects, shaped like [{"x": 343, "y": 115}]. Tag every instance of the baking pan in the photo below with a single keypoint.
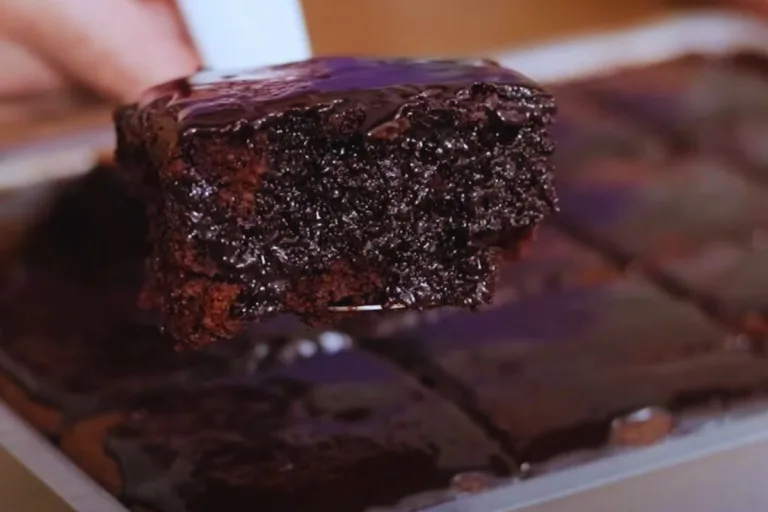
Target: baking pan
[
  {"x": 57, "y": 157},
  {"x": 52, "y": 483},
  {"x": 711, "y": 462}
]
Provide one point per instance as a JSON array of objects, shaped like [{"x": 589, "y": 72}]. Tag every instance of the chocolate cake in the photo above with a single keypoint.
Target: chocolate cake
[
  {"x": 71, "y": 332},
  {"x": 552, "y": 259},
  {"x": 729, "y": 281},
  {"x": 613, "y": 345},
  {"x": 708, "y": 105},
  {"x": 585, "y": 128},
  {"x": 338, "y": 433},
  {"x": 640, "y": 306},
  {"x": 649, "y": 212},
  {"x": 83, "y": 364},
  {"x": 335, "y": 183}
]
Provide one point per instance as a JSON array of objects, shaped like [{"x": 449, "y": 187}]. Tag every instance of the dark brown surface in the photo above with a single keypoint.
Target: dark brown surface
[
  {"x": 648, "y": 290},
  {"x": 72, "y": 334},
  {"x": 713, "y": 106},
  {"x": 336, "y": 433},
  {"x": 335, "y": 182},
  {"x": 584, "y": 128},
  {"x": 556, "y": 386},
  {"x": 551, "y": 261},
  {"x": 658, "y": 98},
  {"x": 290, "y": 420},
  {"x": 651, "y": 211},
  {"x": 71, "y": 330},
  {"x": 728, "y": 280},
  {"x": 696, "y": 217}
]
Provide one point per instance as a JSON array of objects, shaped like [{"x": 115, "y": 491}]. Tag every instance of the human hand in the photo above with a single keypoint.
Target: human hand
[{"x": 116, "y": 47}]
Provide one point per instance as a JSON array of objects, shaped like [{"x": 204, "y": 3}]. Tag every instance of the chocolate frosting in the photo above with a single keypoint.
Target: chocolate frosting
[{"x": 215, "y": 99}]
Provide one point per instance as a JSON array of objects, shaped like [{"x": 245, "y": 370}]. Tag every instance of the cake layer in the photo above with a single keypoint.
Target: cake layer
[
  {"x": 709, "y": 105},
  {"x": 335, "y": 183},
  {"x": 72, "y": 334},
  {"x": 585, "y": 128},
  {"x": 652, "y": 211},
  {"x": 729, "y": 281},
  {"x": 344, "y": 432},
  {"x": 553, "y": 370}
]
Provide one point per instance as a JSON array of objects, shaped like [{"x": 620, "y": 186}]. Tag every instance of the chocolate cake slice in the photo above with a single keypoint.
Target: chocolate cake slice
[
  {"x": 72, "y": 335},
  {"x": 710, "y": 104},
  {"x": 552, "y": 371},
  {"x": 551, "y": 261},
  {"x": 345, "y": 433},
  {"x": 335, "y": 183},
  {"x": 652, "y": 212},
  {"x": 728, "y": 280},
  {"x": 585, "y": 128}
]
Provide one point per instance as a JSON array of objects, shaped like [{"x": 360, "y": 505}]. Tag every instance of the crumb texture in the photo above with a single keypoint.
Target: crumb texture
[{"x": 397, "y": 183}]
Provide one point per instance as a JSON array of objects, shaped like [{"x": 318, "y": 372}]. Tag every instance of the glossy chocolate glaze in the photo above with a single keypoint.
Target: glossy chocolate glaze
[
  {"x": 712, "y": 106},
  {"x": 584, "y": 127},
  {"x": 692, "y": 218},
  {"x": 728, "y": 280},
  {"x": 72, "y": 334},
  {"x": 213, "y": 100},
  {"x": 335, "y": 182},
  {"x": 552, "y": 386},
  {"x": 651, "y": 213},
  {"x": 343, "y": 432}
]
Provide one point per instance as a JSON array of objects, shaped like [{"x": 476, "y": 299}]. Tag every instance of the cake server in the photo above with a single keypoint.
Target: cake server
[
  {"x": 236, "y": 34},
  {"x": 233, "y": 34}
]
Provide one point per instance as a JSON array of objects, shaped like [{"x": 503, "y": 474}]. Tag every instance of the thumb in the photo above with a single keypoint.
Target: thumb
[{"x": 117, "y": 47}]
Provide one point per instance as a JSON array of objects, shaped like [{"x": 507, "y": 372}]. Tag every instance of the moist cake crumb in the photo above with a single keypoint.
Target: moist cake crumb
[{"x": 334, "y": 183}]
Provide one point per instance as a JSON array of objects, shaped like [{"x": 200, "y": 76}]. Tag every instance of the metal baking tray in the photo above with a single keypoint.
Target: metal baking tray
[
  {"x": 44, "y": 480},
  {"x": 59, "y": 157},
  {"x": 713, "y": 461}
]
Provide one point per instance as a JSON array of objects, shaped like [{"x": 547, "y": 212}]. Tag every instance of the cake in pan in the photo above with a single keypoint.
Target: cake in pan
[{"x": 636, "y": 297}]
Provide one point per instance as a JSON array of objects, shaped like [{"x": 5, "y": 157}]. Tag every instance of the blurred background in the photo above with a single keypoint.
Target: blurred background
[
  {"x": 379, "y": 28},
  {"x": 427, "y": 28},
  {"x": 457, "y": 27},
  {"x": 37, "y": 128}
]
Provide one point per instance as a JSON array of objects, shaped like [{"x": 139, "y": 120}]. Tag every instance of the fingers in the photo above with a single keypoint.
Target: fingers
[
  {"x": 118, "y": 47},
  {"x": 23, "y": 73}
]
